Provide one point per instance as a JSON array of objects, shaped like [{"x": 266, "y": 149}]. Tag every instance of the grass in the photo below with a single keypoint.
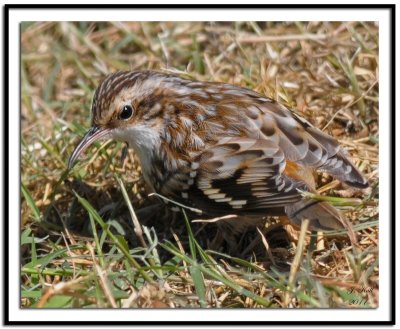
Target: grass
[{"x": 94, "y": 238}]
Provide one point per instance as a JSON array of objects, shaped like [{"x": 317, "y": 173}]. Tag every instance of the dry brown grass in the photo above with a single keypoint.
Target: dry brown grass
[{"x": 327, "y": 71}]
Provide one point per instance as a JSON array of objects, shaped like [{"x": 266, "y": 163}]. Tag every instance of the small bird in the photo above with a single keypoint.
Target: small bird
[{"x": 220, "y": 148}]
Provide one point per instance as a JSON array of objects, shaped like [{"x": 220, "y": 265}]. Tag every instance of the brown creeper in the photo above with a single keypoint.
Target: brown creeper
[{"x": 220, "y": 148}]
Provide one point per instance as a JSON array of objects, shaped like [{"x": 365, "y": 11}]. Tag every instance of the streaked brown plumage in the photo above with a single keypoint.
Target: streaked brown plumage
[{"x": 220, "y": 148}]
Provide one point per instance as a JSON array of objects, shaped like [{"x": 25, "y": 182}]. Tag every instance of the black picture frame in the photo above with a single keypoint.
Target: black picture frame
[{"x": 6, "y": 183}]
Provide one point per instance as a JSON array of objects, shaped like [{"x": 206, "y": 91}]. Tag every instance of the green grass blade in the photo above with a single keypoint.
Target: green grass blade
[
  {"x": 121, "y": 246},
  {"x": 29, "y": 200},
  {"x": 199, "y": 285}
]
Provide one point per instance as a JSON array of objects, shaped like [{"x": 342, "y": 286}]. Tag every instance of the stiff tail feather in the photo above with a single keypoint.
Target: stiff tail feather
[{"x": 322, "y": 217}]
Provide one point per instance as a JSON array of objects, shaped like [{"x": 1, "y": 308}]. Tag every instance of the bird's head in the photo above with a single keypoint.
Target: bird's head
[{"x": 126, "y": 107}]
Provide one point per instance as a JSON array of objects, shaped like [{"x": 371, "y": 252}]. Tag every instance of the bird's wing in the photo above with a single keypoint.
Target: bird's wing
[
  {"x": 304, "y": 144},
  {"x": 243, "y": 174}
]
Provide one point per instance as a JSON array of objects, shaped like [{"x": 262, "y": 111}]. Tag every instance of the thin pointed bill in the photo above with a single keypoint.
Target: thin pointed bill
[{"x": 94, "y": 134}]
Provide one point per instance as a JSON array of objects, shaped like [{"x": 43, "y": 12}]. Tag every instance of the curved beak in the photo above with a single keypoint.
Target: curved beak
[{"x": 93, "y": 135}]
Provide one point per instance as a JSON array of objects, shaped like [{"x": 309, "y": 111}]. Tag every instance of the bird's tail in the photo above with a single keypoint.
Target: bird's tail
[{"x": 322, "y": 217}]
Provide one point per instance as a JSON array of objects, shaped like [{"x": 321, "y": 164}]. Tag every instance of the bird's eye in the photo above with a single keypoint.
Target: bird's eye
[{"x": 126, "y": 112}]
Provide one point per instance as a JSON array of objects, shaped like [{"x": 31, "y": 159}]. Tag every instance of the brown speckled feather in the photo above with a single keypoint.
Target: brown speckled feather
[{"x": 221, "y": 148}]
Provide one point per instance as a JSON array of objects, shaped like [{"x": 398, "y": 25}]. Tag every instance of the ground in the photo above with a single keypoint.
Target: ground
[{"x": 79, "y": 247}]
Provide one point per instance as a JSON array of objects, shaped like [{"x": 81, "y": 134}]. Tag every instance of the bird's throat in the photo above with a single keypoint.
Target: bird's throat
[{"x": 145, "y": 142}]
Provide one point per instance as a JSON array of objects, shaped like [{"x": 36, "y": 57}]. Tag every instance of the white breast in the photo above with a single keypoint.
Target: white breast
[{"x": 145, "y": 141}]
